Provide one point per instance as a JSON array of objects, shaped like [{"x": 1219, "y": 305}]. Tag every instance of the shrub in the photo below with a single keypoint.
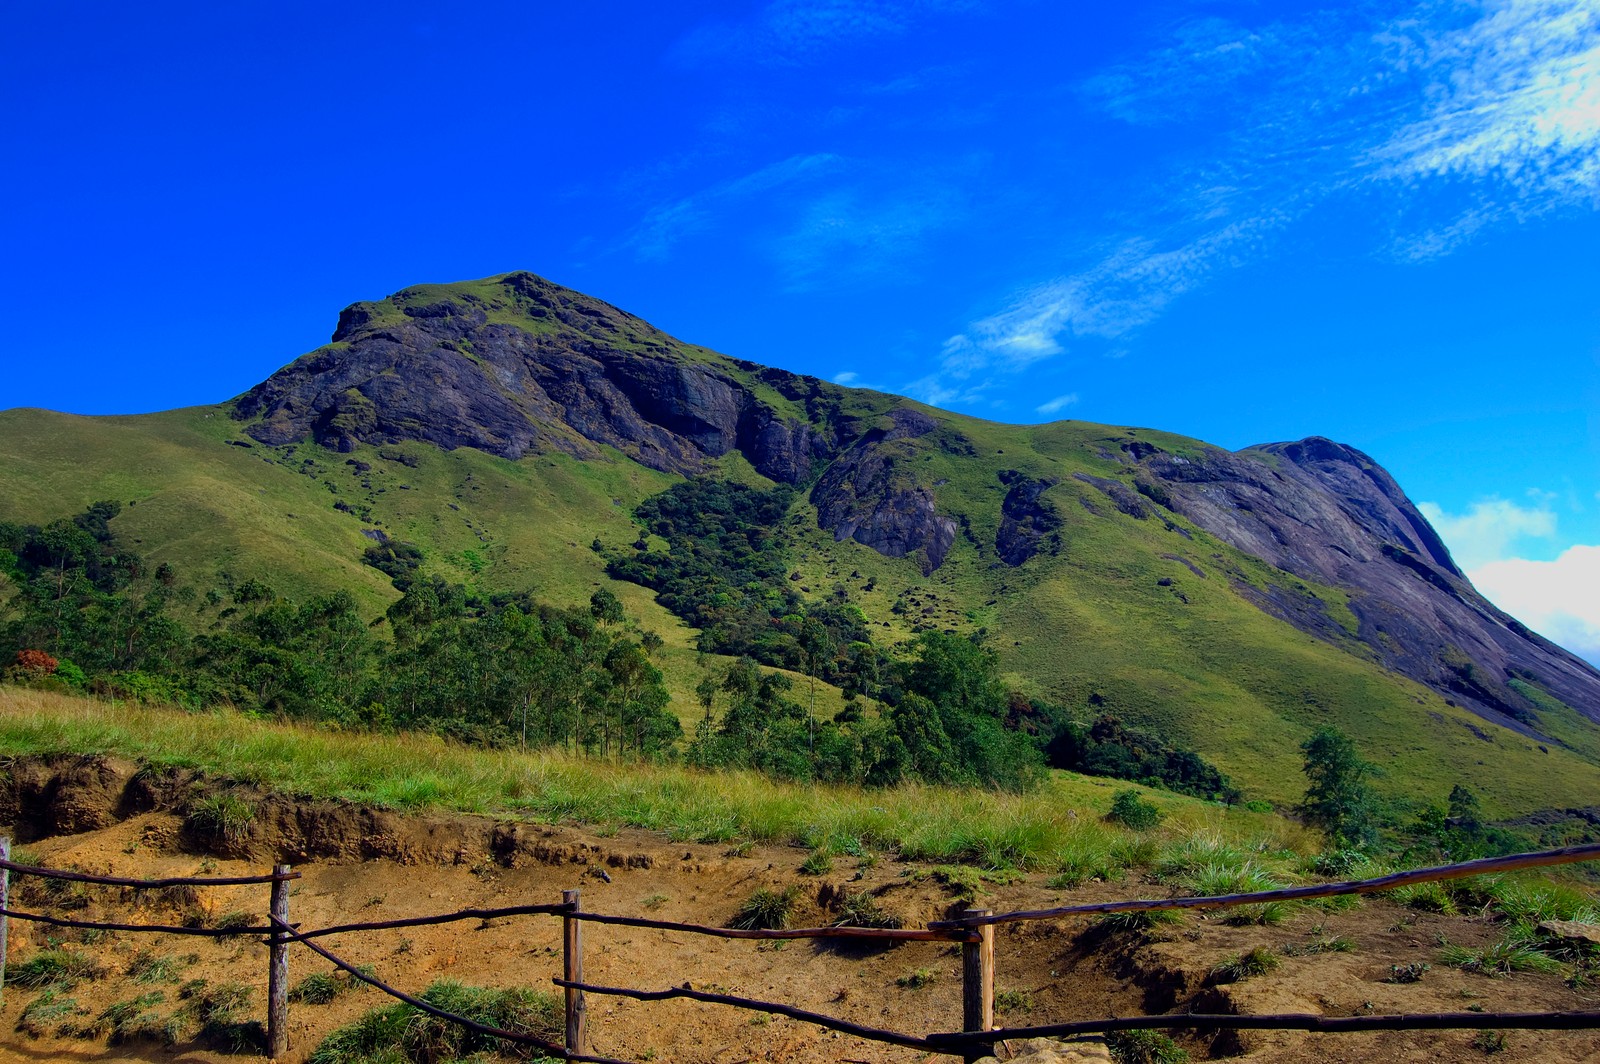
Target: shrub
[
  {"x": 1129, "y": 809},
  {"x": 1407, "y": 973}
]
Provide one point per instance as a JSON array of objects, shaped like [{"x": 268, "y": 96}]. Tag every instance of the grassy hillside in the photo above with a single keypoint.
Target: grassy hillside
[
  {"x": 1056, "y": 827},
  {"x": 1149, "y": 618}
]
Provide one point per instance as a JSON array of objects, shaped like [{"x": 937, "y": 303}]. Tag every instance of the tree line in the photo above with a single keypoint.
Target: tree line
[{"x": 87, "y": 612}]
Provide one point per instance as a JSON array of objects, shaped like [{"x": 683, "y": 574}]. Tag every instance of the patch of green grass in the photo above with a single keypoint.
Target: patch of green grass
[
  {"x": 766, "y": 909},
  {"x": 917, "y": 978},
  {"x": 400, "y": 1033},
  {"x": 61, "y": 969},
  {"x": 1145, "y": 1047},
  {"x": 1333, "y": 944},
  {"x": 133, "y": 1020},
  {"x": 817, "y": 863},
  {"x": 1499, "y": 958},
  {"x": 862, "y": 910},
  {"x": 1425, "y": 897},
  {"x": 1138, "y": 920},
  {"x": 49, "y": 1013},
  {"x": 148, "y": 967},
  {"x": 1257, "y": 961},
  {"x": 936, "y": 824},
  {"x": 1013, "y": 1001},
  {"x": 1264, "y": 914},
  {"x": 222, "y": 817}
]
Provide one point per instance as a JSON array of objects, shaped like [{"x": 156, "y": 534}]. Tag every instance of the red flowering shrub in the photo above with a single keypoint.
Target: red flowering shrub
[{"x": 36, "y": 662}]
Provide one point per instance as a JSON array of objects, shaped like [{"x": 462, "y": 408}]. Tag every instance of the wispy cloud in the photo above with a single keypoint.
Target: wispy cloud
[
  {"x": 1513, "y": 96},
  {"x": 670, "y": 222},
  {"x": 1452, "y": 118},
  {"x": 855, "y": 232},
  {"x": 1056, "y": 405},
  {"x": 795, "y": 32},
  {"x": 1125, "y": 289}
]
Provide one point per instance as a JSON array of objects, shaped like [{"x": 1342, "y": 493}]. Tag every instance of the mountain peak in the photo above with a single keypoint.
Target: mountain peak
[{"x": 516, "y": 364}]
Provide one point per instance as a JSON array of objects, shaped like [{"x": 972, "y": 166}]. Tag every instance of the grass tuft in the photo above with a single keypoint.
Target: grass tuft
[{"x": 766, "y": 909}]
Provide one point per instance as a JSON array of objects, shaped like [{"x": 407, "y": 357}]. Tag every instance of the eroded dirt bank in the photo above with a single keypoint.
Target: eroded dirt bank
[{"x": 105, "y": 816}]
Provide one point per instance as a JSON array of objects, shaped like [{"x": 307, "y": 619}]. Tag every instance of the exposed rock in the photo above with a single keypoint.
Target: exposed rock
[
  {"x": 1088, "y": 1050},
  {"x": 1326, "y": 512},
  {"x": 536, "y": 367},
  {"x": 1571, "y": 930},
  {"x": 1025, "y": 517},
  {"x": 869, "y": 495},
  {"x": 1118, "y": 493}
]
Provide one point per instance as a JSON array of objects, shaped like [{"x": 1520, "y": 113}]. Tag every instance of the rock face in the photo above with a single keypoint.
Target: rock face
[
  {"x": 867, "y": 495},
  {"x": 1026, "y": 519},
  {"x": 1326, "y": 512},
  {"x": 520, "y": 366}
]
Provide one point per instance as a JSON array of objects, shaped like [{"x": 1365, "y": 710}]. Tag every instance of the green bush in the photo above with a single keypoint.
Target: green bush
[{"x": 1130, "y": 810}]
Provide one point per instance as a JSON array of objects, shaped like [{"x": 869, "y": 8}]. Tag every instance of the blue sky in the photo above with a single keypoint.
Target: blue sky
[{"x": 1244, "y": 222}]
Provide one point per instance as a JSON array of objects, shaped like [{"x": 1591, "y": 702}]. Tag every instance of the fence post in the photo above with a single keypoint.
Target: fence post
[
  {"x": 572, "y": 971},
  {"x": 977, "y": 986},
  {"x": 5, "y": 903},
  {"x": 278, "y": 969}
]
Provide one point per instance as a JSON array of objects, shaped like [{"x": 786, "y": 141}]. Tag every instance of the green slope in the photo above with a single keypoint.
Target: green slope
[{"x": 1117, "y": 621}]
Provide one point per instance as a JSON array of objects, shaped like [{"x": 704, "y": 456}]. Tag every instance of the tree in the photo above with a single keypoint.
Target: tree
[{"x": 1337, "y": 797}]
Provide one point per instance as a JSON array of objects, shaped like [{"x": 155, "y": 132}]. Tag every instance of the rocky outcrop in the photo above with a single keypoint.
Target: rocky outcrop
[
  {"x": 1026, "y": 519},
  {"x": 1326, "y": 512},
  {"x": 522, "y": 367},
  {"x": 869, "y": 495}
]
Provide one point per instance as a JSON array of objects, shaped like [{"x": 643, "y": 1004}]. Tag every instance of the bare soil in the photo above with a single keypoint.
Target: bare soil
[{"x": 102, "y": 816}]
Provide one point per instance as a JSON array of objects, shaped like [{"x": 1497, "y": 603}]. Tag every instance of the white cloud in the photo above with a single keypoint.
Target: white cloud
[
  {"x": 1456, "y": 117},
  {"x": 1560, "y": 599},
  {"x": 1056, "y": 405},
  {"x": 846, "y": 378},
  {"x": 1515, "y": 97},
  {"x": 1486, "y": 532},
  {"x": 1126, "y": 288}
]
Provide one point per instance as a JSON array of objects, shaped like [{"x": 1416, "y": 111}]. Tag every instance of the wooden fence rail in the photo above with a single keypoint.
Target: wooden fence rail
[{"x": 974, "y": 931}]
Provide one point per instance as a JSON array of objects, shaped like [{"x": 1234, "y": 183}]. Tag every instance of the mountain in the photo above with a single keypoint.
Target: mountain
[{"x": 1231, "y": 600}]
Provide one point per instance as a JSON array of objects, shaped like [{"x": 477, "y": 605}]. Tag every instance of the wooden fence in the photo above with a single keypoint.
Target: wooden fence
[{"x": 973, "y": 931}]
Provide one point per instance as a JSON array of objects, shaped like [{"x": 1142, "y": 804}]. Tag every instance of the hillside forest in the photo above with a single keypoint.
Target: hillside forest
[{"x": 85, "y": 612}]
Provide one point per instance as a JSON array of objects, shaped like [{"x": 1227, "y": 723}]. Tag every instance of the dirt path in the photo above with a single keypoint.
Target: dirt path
[{"x": 1046, "y": 972}]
